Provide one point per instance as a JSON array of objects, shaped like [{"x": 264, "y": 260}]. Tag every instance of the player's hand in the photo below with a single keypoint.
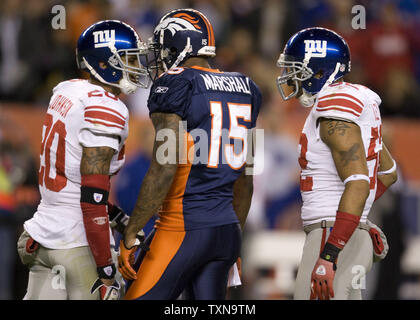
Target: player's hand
[
  {"x": 126, "y": 257},
  {"x": 126, "y": 260},
  {"x": 109, "y": 289},
  {"x": 322, "y": 280}
]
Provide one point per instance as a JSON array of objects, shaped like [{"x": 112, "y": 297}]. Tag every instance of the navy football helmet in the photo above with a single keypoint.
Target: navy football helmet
[
  {"x": 311, "y": 59},
  {"x": 113, "y": 43},
  {"x": 181, "y": 34}
]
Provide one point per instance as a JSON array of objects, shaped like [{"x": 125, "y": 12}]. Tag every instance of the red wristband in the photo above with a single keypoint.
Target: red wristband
[
  {"x": 344, "y": 226},
  {"x": 380, "y": 189},
  {"x": 94, "y": 196}
]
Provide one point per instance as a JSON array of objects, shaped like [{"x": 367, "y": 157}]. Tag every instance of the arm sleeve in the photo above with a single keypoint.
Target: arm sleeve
[{"x": 170, "y": 94}]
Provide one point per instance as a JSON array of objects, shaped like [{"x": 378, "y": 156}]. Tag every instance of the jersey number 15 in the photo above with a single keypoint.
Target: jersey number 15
[{"x": 236, "y": 131}]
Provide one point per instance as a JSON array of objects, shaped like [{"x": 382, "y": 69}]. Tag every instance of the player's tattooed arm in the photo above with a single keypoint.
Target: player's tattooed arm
[
  {"x": 346, "y": 145},
  {"x": 242, "y": 195},
  {"x": 335, "y": 126},
  {"x": 96, "y": 160},
  {"x": 159, "y": 177}
]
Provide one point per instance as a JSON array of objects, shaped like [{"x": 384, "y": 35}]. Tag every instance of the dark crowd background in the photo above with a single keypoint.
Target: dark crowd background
[{"x": 250, "y": 35}]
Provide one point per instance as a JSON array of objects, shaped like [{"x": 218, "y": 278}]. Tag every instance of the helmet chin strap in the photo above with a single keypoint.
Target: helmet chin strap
[
  {"x": 162, "y": 58},
  {"x": 307, "y": 99},
  {"x": 96, "y": 75},
  {"x": 124, "y": 85},
  {"x": 183, "y": 54},
  {"x": 332, "y": 76}
]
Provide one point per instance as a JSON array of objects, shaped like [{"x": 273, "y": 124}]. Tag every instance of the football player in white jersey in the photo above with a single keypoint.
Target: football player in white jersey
[
  {"x": 345, "y": 165},
  {"x": 68, "y": 245}
]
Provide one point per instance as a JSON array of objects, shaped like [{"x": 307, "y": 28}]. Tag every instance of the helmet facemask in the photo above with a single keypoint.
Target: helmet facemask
[
  {"x": 292, "y": 73},
  {"x": 134, "y": 75},
  {"x": 134, "y": 71},
  {"x": 154, "y": 60},
  {"x": 170, "y": 57},
  {"x": 165, "y": 58}
]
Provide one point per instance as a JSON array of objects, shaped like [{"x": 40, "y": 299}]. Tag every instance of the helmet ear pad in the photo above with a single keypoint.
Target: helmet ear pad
[
  {"x": 112, "y": 74},
  {"x": 173, "y": 53},
  {"x": 316, "y": 82},
  {"x": 174, "y": 46}
]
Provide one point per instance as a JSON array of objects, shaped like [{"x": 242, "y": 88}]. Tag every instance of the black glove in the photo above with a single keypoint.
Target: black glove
[
  {"x": 118, "y": 220},
  {"x": 111, "y": 292}
]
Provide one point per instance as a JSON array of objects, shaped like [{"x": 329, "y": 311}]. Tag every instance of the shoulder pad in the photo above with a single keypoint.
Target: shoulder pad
[
  {"x": 104, "y": 113},
  {"x": 71, "y": 85},
  {"x": 342, "y": 101},
  {"x": 170, "y": 94}
]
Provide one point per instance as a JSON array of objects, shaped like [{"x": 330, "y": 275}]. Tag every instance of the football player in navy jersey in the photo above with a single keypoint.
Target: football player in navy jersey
[{"x": 203, "y": 196}]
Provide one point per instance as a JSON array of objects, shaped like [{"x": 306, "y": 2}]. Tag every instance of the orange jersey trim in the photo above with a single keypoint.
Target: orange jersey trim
[
  {"x": 171, "y": 214},
  {"x": 207, "y": 69},
  {"x": 164, "y": 246}
]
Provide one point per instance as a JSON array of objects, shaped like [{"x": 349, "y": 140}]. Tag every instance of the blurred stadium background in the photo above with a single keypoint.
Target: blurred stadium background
[{"x": 250, "y": 35}]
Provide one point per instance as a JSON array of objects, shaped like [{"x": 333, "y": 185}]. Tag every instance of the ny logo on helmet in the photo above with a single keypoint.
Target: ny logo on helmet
[
  {"x": 316, "y": 48},
  {"x": 103, "y": 38}
]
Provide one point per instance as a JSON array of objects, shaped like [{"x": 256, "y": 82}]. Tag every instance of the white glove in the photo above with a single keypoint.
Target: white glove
[
  {"x": 379, "y": 242},
  {"x": 234, "y": 278}
]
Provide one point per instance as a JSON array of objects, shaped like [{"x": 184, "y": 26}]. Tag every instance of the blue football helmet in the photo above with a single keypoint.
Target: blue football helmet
[
  {"x": 181, "y": 34},
  {"x": 113, "y": 43},
  {"x": 312, "y": 59}
]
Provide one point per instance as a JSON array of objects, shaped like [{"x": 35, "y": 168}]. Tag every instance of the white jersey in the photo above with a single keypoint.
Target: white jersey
[
  {"x": 321, "y": 186},
  {"x": 80, "y": 114}
]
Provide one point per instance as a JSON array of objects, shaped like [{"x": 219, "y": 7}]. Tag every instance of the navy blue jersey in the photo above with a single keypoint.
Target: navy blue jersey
[{"x": 218, "y": 108}]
